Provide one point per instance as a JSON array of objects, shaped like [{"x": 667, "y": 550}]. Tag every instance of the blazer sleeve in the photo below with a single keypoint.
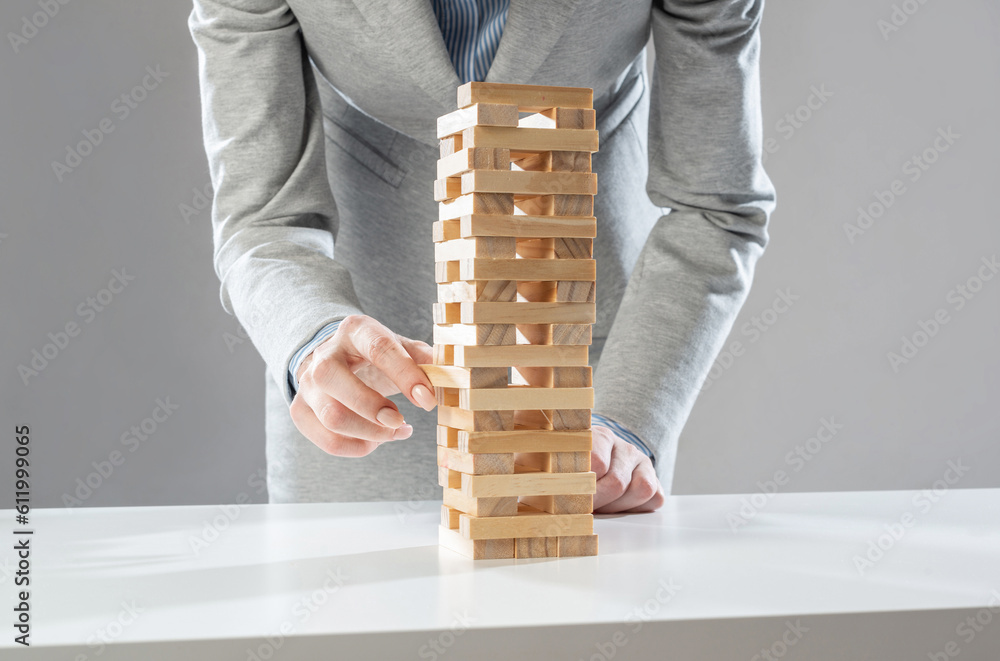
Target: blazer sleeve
[
  {"x": 273, "y": 217},
  {"x": 694, "y": 272}
]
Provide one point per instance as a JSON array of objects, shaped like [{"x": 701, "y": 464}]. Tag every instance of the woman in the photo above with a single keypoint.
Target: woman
[{"x": 319, "y": 123}]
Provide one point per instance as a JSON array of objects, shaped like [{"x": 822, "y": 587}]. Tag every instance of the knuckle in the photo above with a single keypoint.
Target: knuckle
[
  {"x": 379, "y": 346},
  {"x": 644, "y": 487},
  {"x": 351, "y": 323},
  {"x": 333, "y": 416},
  {"x": 614, "y": 484}
]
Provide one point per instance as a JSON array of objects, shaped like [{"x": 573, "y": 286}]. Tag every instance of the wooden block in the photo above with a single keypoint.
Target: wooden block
[
  {"x": 494, "y": 247},
  {"x": 479, "y": 158},
  {"x": 536, "y": 547},
  {"x": 562, "y": 504},
  {"x": 519, "y": 355},
  {"x": 569, "y": 161},
  {"x": 449, "y": 376},
  {"x": 572, "y": 377},
  {"x": 525, "y": 397},
  {"x": 527, "y": 269},
  {"x": 450, "y": 145},
  {"x": 528, "y": 484},
  {"x": 449, "y": 518},
  {"x": 576, "y": 291},
  {"x": 482, "y": 334},
  {"x": 561, "y": 334},
  {"x": 537, "y": 420},
  {"x": 446, "y": 230},
  {"x": 449, "y": 479},
  {"x": 527, "y": 183},
  {"x": 477, "y": 114},
  {"x": 444, "y": 354},
  {"x": 446, "y": 271},
  {"x": 478, "y": 203},
  {"x": 527, "y": 98},
  {"x": 552, "y": 462},
  {"x": 447, "y": 437},
  {"x": 503, "y": 506},
  {"x": 518, "y": 312},
  {"x": 571, "y": 334},
  {"x": 452, "y": 416},
  {"x": 480, "y": 463},
  {"x": 528, "y": 226},
  {"x": 563, "y": 118},
  {"x": 446, "y": 396},
  {"x": 573, "y": 546},
  {"x": 522, "y": 440},
  {"x": 475, "y": 549},
  {"x": 555, "y": 205},
  {"x": 448, "y": 188},
  {"x": 446, "y": 313},
  {"x": 535, "y": 161},
  {"x": 477, "y": 290},
  {"x": 564, "y": 248},
  {"x": 525, "y": 524},
  {"x": 570, "y": 419},
  {"x": 530, "y": 140}
]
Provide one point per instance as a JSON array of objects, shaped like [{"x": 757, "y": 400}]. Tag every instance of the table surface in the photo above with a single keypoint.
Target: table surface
[{"x": 212, "y": 572}]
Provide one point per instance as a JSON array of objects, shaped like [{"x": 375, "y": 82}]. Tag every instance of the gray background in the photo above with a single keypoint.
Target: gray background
[{"x": 825, "y": 357}]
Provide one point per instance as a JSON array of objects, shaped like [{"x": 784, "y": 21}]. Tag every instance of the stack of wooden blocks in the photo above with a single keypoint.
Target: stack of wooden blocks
[{"x": 512, "y": 326}]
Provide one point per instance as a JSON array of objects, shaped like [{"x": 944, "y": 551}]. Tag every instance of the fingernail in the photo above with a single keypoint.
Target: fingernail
[
  {"x": 424, "y": 397},
  {"x": 389, "y": 417},
  {"x": 402, "y": 432}
]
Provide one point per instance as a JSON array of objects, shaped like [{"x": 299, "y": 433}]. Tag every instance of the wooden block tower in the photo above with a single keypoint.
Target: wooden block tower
[{"x": 516, "y": 281}]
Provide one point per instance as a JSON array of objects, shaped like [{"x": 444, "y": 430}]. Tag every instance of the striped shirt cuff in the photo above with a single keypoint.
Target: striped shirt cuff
[
  {"x": 622, "y": 432},
  {"x": 293, "y": 366}
]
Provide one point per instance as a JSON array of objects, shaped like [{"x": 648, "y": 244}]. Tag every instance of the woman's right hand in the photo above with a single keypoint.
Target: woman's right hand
[{"x": 342, "y": 405}]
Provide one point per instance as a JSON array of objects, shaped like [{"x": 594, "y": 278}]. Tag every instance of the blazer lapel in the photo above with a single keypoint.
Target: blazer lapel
[
  {"x": 409, "y": 29},
  {"x": 531, "y": 31}
]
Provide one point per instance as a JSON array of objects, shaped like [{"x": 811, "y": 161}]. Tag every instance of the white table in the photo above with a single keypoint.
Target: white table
[{"x": 348, "y": 580}]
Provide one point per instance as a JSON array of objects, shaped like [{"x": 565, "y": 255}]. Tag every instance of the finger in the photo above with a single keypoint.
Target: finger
[
  {"x": 331, "y": 378},
  {"x": 653, "y": 504},
  {"x": 600, "y": 455},
  {"x": 643, "y": 487},
  {"x": 624, "y": 458},
  {"x": 330, "y": 442},
  {"x": 341, "y": 420},
  {"x": 420, "y": 352},
  {"x": 381, "y": 347}
]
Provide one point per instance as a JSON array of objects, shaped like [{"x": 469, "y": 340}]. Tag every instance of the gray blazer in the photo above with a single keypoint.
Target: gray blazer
[{"x": 319, "y": 125}]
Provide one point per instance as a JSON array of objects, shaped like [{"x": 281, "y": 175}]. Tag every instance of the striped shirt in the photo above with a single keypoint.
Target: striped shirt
[{"x": 471, "y": 30}]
